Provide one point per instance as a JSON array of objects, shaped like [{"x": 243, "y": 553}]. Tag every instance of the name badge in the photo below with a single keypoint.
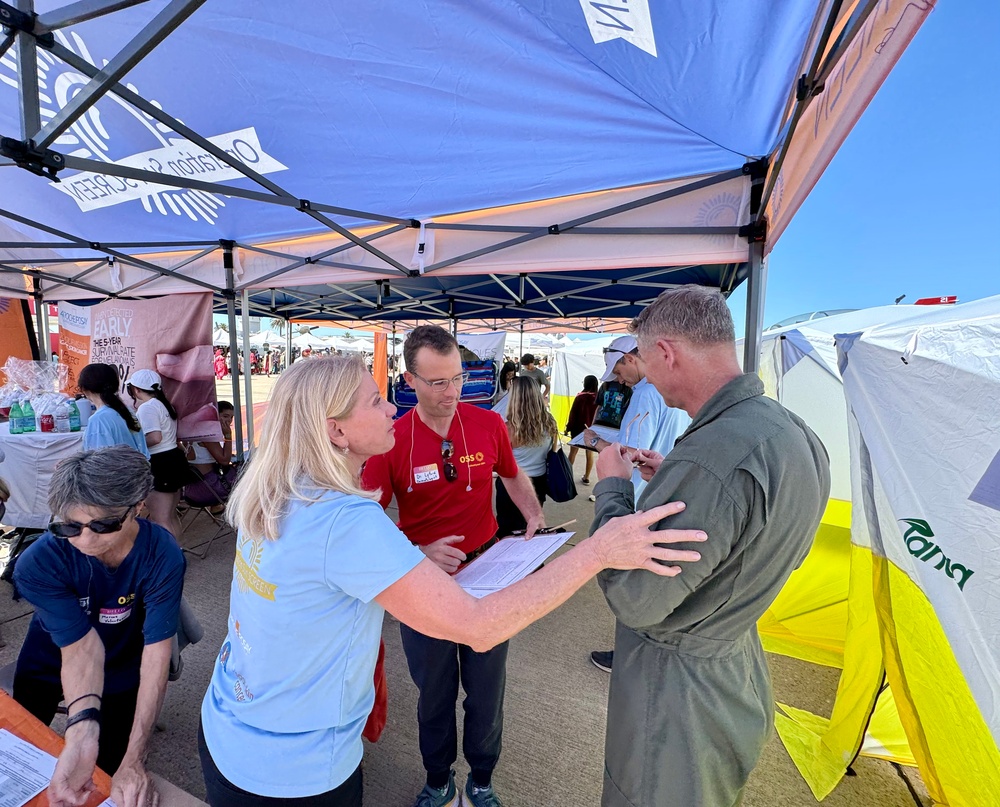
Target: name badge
[
  {"x": 426, "y": 473},
  {"x": 114, "y": 616}
]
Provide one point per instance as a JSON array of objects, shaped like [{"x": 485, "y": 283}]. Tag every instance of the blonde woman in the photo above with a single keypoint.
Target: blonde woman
[
  {"x": 533, "y": 433},
  {"x": 317, "y": 562}
]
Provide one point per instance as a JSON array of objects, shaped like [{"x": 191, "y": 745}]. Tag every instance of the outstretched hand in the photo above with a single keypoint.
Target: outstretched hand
[
  {"x": 444, "y": 553},
  {"x": 627, "y": 542}
]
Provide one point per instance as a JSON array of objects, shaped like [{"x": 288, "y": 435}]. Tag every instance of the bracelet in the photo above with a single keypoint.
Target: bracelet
[
  {"x": 82, "y": 715},
  {"x": 73, "y": 703}
]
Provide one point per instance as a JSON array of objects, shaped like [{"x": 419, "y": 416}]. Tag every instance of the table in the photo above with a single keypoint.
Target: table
[
  {"x": 27, "y": 469},
  {"x": 16, "y": 720}
]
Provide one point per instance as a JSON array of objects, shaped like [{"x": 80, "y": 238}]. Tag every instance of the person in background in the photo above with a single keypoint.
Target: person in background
[
  {"x": 533, "y": 434},
  {"x": 214, "y": 461},
  {"x": 106, "y": 587},
  {"x": 158, "y": 419},
  {"x": 219, "y": 364},
  {"x": 690, "y": 705},
  {"x": 581, "y": 416},
  {"x": 529, "y": 370},
  {"x": 112, "y": 423},
  {"x": 648, "y": 423},
  {"x": 507, "y": 372}
]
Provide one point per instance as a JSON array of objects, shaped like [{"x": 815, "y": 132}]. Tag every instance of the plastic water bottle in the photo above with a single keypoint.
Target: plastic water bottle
[
  {"x": 74, "y": 416},
  {"x": 62, "y": 418},
  {"x": 28, "y": 417},
  {"x": 16, "y": 419},
  {"x": 86, "y": 409}
]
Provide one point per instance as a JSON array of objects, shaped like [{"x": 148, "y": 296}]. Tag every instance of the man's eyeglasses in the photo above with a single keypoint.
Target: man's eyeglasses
[
  {"x": 447, "y": 452},
  {"x": 442, "y": 383},
  {"x": 101, "y": 526},
  {"x": 607, "y": 350}
]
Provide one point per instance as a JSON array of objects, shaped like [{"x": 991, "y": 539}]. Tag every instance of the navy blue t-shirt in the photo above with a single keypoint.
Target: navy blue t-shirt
[{"x": 134, "y": 605}]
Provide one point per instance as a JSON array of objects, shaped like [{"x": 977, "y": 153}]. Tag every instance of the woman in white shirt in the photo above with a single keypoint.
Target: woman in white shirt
[
  {"x": 533, "y": 433},
  {"x": 158, "y": 420}
]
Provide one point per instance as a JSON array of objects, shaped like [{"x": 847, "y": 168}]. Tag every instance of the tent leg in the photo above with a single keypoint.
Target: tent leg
[
  {"x": 520, "y": 348},
  {"x": 756, "y": 285},
  {"x": 247, "y": 375},
  {"x": 41, "y": 323},
  {"x": 234, "y": 360},
  {"x": 288, "y": 342}
]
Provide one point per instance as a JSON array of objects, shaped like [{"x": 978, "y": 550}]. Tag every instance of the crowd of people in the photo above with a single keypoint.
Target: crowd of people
[{"x": 707, "y": 500}]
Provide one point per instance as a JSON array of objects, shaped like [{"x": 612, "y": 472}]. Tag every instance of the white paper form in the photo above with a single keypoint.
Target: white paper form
[
  {"x": 606, "y": 433},
  {"x": 507, "y": 561},
  {"x": 25, "y": 770}
]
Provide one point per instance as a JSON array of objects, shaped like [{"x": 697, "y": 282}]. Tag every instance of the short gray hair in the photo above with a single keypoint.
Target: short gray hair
[
  {"x": 108, "y": 478},
  {"x": 696, "y": 313}
]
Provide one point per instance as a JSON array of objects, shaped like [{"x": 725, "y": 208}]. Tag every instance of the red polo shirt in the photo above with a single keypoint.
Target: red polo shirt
[{"x": 430, "y": 507}]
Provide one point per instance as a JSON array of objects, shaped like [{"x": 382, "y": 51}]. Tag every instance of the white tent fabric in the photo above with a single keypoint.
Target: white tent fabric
[
  {"x": 569, "y": 367},
  {"x": 271, "y": 338},
  {"x": 220, "y": 338},
  {"x": 798, "y": 365},
  {"x": 925, "y": 451}
]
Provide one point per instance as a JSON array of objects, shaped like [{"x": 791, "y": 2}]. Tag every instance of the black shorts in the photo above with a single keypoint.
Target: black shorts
[{"x": 170, "y": 470}]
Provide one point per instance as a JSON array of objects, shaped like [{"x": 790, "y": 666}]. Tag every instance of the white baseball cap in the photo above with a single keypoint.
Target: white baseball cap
[
  {"x": 145, "y": 379},
  {"x": 614, "y": 352}
]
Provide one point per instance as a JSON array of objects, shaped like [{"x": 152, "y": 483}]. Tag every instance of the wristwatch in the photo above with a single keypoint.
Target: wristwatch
[{"x": 593, "y": 442}]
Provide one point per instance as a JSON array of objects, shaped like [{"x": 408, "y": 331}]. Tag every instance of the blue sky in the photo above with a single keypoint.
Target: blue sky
[{"x": 911, "y": 202}]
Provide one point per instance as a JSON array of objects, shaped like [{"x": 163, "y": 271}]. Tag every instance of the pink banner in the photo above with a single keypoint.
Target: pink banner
[{"x": 171, "y": 335}]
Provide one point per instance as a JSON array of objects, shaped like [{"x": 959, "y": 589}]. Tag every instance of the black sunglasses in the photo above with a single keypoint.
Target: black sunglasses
[
  {"x": 447, "y": 451},
  {"x": 101, "y": 526}
]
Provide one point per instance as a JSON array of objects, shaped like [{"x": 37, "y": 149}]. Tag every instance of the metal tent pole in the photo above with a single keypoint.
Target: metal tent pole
[
  {"x": 247, "y": 374},
  {"x": 288, "y": 342},
  {"x": 41, "y": 321},
  {"x": 234, "y": 360},
  {"x": 756, "y": 286}
]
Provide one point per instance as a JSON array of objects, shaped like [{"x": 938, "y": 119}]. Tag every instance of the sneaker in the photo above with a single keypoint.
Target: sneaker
[
  {"x": 591, "y": 498},
  {"x": 602, "y": 659},
  {"x": 447, "y": 796},
  {"x": 479, "y": 796},
  {"x": 584, "y": 481}
]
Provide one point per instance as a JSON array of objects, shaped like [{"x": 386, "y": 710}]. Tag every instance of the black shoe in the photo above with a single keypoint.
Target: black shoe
[{"x": 602, "y": 659}]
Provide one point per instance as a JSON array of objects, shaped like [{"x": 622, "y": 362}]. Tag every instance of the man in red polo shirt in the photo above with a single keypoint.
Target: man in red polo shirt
[{"x": 441, "y": 473}]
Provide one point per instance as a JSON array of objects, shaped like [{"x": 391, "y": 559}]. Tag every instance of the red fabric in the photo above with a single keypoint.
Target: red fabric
[
  {"x": 380, "y": 709},
  {"x": 434, "y": 508},
  {"x": 582, "y": 413}
]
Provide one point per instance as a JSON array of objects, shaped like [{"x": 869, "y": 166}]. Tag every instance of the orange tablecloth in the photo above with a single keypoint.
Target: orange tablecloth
[{"x": 16, "y": 720}]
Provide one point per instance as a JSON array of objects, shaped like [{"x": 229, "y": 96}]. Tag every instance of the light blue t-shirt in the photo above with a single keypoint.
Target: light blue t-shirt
[
  {"x": 293, "y": 684},
  {"x": 107, "y": 428},
  {"x": 658, "y": 431},
  {"x": 534, "y": 460}
]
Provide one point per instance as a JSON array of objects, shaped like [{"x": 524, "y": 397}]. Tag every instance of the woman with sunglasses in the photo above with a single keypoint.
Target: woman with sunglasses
[
  {"x": 533, "y": 434},
  {"x": 106, "y": 587},
  {"x": 317, "y": 564}
]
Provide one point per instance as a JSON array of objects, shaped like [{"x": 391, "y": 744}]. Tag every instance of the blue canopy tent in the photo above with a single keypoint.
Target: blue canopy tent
[{"x": 466, "y": 153}]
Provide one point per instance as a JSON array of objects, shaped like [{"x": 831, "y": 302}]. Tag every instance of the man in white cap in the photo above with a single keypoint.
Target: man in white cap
[{"x": 647, "y": 423}]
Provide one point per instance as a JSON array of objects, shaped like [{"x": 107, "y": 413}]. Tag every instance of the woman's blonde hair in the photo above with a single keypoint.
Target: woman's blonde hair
[
  {"x": 295, "y": 453},
  {"x": 528, "y": 421}
]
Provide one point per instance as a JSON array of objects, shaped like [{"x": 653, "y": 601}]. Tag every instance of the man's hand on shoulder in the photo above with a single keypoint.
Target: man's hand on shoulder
[
  {"x": 131, "y": 786},
  {"x": 444, "y": 553}
]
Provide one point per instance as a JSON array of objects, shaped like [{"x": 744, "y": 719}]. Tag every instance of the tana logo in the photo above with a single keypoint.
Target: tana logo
[
  {"x": 93, "y": 134},
  {"x": 918, "y": 544}
]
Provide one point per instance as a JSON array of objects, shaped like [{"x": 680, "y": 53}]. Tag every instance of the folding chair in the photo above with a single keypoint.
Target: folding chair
[{"x": 200, "y": 498}]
